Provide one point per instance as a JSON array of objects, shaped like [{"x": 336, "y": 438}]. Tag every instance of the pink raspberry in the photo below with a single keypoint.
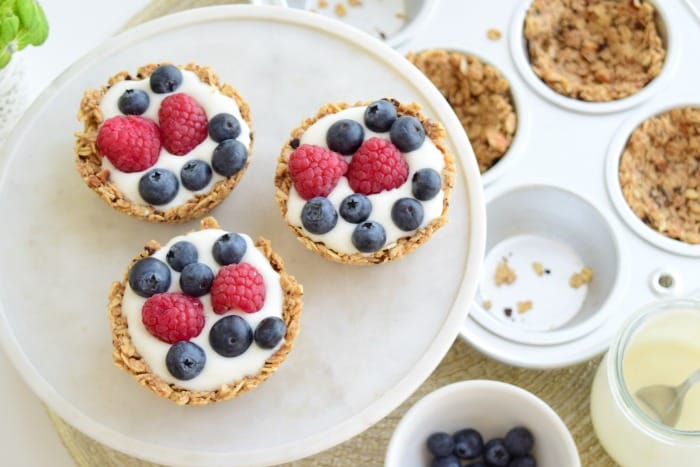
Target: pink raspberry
[
  {"x": 377, "y": 166},
  {"x": 238, "y": 287},
  {"x": 130, "y": 143},
  {"x": 315, "y": 171},
  {"x": 173, "y": 317},
  {"x": 183, "y": 123}
]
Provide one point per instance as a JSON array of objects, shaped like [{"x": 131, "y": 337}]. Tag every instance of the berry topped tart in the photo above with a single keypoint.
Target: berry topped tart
[
  {"x": 365, "y": 183},
  {"x": 206, "y": 317},
  {"x": 167, "y": 145}
]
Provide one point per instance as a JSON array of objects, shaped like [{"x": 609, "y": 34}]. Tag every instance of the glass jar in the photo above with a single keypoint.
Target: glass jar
[{"x": 660, "y": 344}]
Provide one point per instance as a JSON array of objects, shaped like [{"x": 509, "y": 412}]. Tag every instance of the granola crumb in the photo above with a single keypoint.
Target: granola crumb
[
  {"x": 479, "y": 95},
  {"x": 487, "y": 304},
  {"x": 524, "y": 307},
  {"x": 340, "y": 9},
  {"x": 504, "y": 274},
  {"x": 578, "y": 279},
  {"x": 322, "y": 3},
  {"x": 494, "y": 34},
  {"x": 594, "y": 51},
  {"x": 538, "y": 268},
  {"x": 400, "y": 15},
  {"x": 355, "y": 2}
]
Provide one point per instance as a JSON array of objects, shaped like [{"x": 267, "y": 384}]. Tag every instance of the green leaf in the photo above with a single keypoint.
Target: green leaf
[
  {"x": 9, "y": 27},
  {"x": 27, "y": 13},
  {"x": 4, "y": 58}
]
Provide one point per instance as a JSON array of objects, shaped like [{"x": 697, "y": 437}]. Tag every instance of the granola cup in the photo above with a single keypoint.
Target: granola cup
[
  {"x": 128, "y": 358},
  {"x": 90, "y": 166},
  {"x": 480, "y": 96},
  {"x": 392, "y": 250},
  {"x": 659, "y": 173},
  {"x": 596, "y": 51}
]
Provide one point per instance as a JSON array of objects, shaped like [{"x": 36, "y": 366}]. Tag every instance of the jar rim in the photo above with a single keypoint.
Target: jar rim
[{"x": 621, "y": 394}]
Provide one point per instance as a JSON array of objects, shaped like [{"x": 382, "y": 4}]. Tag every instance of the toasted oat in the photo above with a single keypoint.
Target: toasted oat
[
  {"x": 487, "y": 304},
  {"x": 578, "y": 279},
  {"x": 340, "y": 9},
  {"x": 538, "y": 268},
  {"x": 480, "y": 97},
  {"x": 494, "y": 34},
  {"x": 660, "y": 173},
  {"x": 504, "y": 274},
  {"x": 322, "y": 4},
  {"x": 597, "y": 50},
  {"x": 524, "y": 307},
  {"x": 400, "y": 15},
  {"x": 355, "y": 2}
]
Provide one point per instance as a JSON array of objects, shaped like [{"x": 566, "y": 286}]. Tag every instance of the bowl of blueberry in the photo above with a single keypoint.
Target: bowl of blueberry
[{"x": 481, "y": 423}]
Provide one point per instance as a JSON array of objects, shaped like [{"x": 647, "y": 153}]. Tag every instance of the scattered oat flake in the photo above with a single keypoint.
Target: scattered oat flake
[
  {"x": 355, "y": 2},
  {"x": 504, "y": 274},
  {"x": 340, "y": 9},
  {"x": 322, "y": 4},
  {"x": 539, "y": 269},
  {"x": 580, "y": 278},
  {"x": 524, "y": 307},
  {"x": 493, "y": 34},
  {"x": 400, "y": 15},
  {"x": 487, "y": 304}
]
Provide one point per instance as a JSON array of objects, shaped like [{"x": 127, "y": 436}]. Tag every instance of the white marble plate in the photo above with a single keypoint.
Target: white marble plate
[{"x": 369, "y": 336}]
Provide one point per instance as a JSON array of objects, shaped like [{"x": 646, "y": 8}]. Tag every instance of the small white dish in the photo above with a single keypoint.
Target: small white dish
[
  {"x": 612, "y": 169},
  {"x": 518, "y": 49},
  {"x": 564, "y": 232},
  {"x": 492, "y": 408}
]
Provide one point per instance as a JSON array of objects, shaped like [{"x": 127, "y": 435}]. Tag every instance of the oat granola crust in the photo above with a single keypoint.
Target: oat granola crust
[
  {"x": 479, "y": 95},
  {"x": 283, "y": 183},
  {"x": 88, "y": 160},
  {"x": 594, "y": 50},
  {"x": 127, "y": 358},
  {"x": 660, "y": 173}
]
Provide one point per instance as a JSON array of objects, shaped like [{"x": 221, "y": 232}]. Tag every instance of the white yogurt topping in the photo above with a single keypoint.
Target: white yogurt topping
[
  {"x": 218, "y": 370},
  {"x": 211, "y": 100},
  {"x": 340, "y": 237}
]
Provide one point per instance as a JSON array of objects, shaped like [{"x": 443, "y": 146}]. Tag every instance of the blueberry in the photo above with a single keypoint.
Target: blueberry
[
  {"x": 149, "y": 276},
  {"x": 181, "y": 254},
  {"x": 224, "y": 126},
  {"x": 495, "y": 453},
  {"x": 345, "y": 136},
  {"x": 524, "y": 461},
  {"x": 468, "y": 444},
  {"x": 229, "y": 157},
  {"x": 407, "y": 133},
  {"x": 318, "y": 215},
  {"x": 270, "y": 332},
  {"x": 380, "y": 115},
  {"x": 165, "y": 79},
  {"x": 229, "y": 249},
  {"x": 445, "y": 461},
  {"x": 195, "y": 174},
  {"x": 158, "y": 186},
  {"x": 355, "y": 208},
  {"x": 369, "y": 237},
  {"x": 407, "y": 214},
  {"x": 196, "y": 279},
  {"x": 519, "y": 441},
  {"x": 440, "y": 444},
  {"x": 185, "y": 360},
  {"x": 230, "y": 336},
  {"x": 133, "y": 102},
  {"x": 426, "y": 184}
]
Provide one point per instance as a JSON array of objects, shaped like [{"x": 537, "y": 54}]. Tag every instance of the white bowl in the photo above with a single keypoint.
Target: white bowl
[
  {"x": 518, "y": 49},
  {"x": 565, "y": 231},
  {"x": 492, "y": 408},
  {"x": 417, "y": 13},
  {"x": 612, "y": 169}
]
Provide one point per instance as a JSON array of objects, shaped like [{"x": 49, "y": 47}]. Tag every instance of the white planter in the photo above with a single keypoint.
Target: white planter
[{"x": 14, "y": 94}]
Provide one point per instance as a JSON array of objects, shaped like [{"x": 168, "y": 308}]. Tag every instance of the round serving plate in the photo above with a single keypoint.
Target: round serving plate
[{"x": 369, "y": 336}]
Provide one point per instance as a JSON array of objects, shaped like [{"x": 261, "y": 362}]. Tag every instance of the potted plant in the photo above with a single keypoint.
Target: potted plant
[{"x": 22, "y": 23}]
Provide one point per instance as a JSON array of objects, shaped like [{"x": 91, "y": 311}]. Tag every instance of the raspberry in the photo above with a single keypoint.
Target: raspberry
[
  {"x": 315, "y": 171},
  {"x": 238, "y": 287},
  {"x": 183, "y": 123},
  {"x": 377, "y": 166},
  {"x": 130, "y": 143},
  {"x": 173, "y": 317}
]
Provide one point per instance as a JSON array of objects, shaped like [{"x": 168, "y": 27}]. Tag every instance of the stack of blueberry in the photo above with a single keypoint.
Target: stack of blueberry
[{"x": 468, "y": 445}]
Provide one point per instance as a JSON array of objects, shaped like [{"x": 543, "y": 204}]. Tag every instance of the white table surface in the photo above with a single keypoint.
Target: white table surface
[{"x": 27, "y": 436}]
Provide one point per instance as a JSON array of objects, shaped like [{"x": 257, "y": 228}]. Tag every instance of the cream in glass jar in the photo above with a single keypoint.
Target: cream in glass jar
[{"x": 659, "y": 345}]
